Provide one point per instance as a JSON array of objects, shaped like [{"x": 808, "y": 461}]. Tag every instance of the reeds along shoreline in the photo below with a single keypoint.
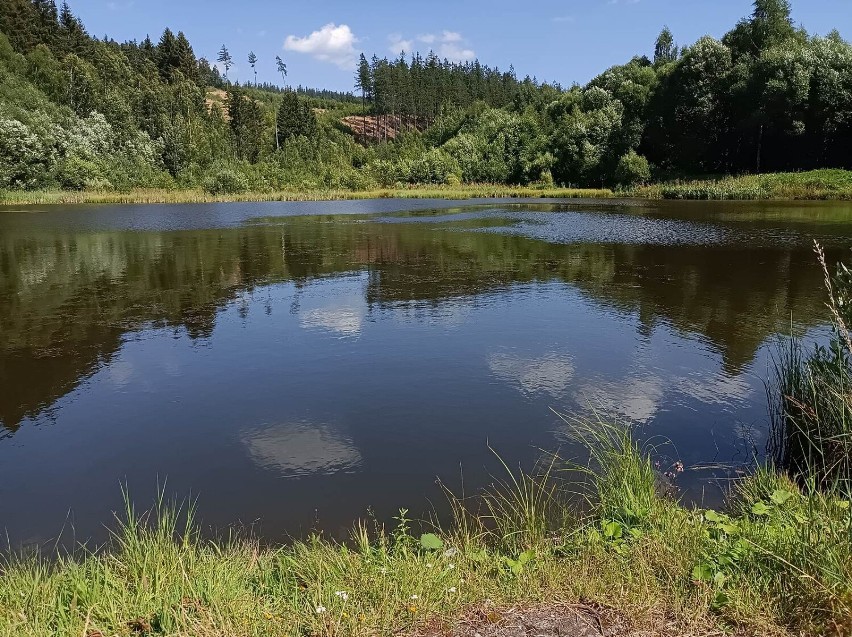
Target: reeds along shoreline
[
  {"x": 813, "y": 185},
  {"x": 153, "y": 196}
]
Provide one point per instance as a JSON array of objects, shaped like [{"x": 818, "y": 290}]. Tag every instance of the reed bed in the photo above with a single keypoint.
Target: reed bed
[{"x": 159, "y": 196}]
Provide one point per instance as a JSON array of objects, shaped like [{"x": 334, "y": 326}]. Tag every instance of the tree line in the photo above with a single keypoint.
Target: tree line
[{"x": 81, "y": 112}]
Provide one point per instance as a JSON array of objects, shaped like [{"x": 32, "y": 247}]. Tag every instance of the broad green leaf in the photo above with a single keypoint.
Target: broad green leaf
[
  {"x": 729, "y": 528},
  {"x": 431, "y": 542},
  {"x": 703, "y": 572},
  {"x": 613, "y": 530},
  {"x": 760, "y": 508},
  {"x": 711, "y": 516},
  {"x": 780, "y": 496}
]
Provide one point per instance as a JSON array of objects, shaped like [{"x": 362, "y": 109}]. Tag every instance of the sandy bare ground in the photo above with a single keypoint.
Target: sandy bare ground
[{"x": 559, "y": 620}]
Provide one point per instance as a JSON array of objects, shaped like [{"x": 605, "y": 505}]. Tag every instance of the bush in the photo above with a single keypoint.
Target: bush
[
  {"x": 434, "y": 167},
  {"x": 225, "y": 181},
  {"x": 23, "y": 158},
  {"x": 632, "y": 170},
  {"x": 76, "y": 173}
]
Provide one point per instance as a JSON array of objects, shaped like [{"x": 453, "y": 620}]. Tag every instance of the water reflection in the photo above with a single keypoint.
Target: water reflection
[
  {"x": 300, "y": 449},
  {"x": 412, "y": 341},
  {"x": 67, "y": 300},
  {"x": 551, "y": 374},
  {"x": 635, "y": 399},
  {"x": 342, "y": 321}
]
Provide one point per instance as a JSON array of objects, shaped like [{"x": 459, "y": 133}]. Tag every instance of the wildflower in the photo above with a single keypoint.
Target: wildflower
[
  {"x": 320, "y": 610},
  {"x": 362, "y": 617},
  {"x": 342, "y": 595},
  {"x": 678, "y": 466},
  {"x": 451, "y": 552},
  {"x": 414, "y": 597},
  {"x": 383, "y": 571},
  {"x": 412, "y": 609},
  {"x": 428, "y": 566},
  {"x": 451, "y": 589},
  {"x": 451, "y": 566}
]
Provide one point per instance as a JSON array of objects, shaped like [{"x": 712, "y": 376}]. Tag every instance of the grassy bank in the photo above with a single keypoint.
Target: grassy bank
[
  {"x": 778, "y": 560},
  {"x": 811, "y": 185},
  {"x": 151, "y": 196}
]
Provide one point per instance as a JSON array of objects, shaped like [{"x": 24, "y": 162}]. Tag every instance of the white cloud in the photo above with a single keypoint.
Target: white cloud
[
  {"x": 456, "y": 53},
  {"x": 398, "y": 44},
  {"x": 332, "y": 43},
  {"x": 448, "y": 44}
]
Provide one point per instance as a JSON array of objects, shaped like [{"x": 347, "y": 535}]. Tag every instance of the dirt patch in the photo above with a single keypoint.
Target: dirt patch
[
  {"x": 560, "y": 620},
  {"x": 215, "y": 98},
  {"x": 374, "y": 128}
]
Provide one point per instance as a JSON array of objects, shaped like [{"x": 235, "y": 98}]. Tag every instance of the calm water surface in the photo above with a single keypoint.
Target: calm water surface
[{"x": 295, "y": 365}]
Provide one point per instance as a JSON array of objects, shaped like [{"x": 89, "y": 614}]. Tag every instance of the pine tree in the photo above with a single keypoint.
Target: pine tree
[
  {"x": 167, "y": 58},
  {"x": 665, "y": 49},
  {"x": 252, "y": 60},
  {"x": 288, "y": 118},
  {"x": 225, "y": 60},
  {"x": 72, "y": 34},
  {"x": 282, "y": 68},
  {"x": 363, "y": 82},
  {"x": 185, "y": 57}
]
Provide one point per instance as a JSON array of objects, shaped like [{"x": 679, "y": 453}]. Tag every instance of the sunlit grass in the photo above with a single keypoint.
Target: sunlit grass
[
  {"x": 156, "y": 196},
  {"x": 832, "y": 184},
  {"x": 778, "y": 559}
]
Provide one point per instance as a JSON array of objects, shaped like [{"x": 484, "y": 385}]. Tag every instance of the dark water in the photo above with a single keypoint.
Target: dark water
[{"x": 297, "y": 364}]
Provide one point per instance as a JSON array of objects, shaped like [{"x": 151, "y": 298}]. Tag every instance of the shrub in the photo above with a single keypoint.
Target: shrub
[
  {"x": 434, "y": 167},
  {"x": 77, "y": 173},
  {"x": 632, "y": 169},
  {"x": 225, "y": 181},
  {"x": 23, "y": 158}
]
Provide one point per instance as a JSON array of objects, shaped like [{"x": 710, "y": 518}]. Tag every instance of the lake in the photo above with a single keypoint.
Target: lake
[{"x": 301, "y": 365}]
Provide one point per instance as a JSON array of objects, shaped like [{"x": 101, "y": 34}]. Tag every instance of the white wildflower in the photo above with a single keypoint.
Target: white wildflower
[
  {"x": 342, "y": 595},
  {"x": 320, "y": 610}
]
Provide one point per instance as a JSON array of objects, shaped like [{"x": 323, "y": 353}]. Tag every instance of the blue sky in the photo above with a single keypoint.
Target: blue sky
[{"x": 567, "y": 41}]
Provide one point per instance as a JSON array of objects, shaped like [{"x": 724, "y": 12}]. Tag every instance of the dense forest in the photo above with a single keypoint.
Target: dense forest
[{"x": 78, "y": 112}]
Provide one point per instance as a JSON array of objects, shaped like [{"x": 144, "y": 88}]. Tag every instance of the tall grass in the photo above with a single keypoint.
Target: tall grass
[
  {"x": 778, "y": 560},
  {"x": 814, "y": 185},
  {"x": 153, "y": 196},
  {"x": 811, "y": 398}
]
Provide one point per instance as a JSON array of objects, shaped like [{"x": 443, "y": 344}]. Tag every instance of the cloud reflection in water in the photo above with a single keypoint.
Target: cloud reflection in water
[{"x": 301, "y": 449}]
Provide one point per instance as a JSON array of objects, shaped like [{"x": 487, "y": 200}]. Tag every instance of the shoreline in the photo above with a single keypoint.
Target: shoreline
[
  {"x": 734, "y": 189},
  {"x": 155, "y": 196},
  {"x": 768, "y": 564}
]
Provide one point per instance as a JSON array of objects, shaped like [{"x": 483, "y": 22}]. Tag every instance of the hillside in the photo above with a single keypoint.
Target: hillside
[{"x": 81, "y": 113}]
